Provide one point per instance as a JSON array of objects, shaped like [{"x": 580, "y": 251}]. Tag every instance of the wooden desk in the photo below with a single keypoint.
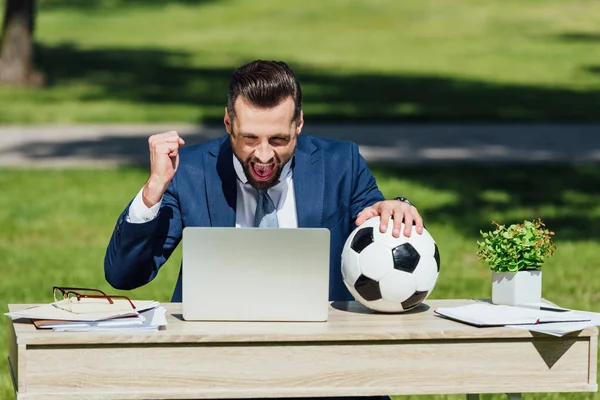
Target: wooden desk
[{"x": 354, "y": 353}]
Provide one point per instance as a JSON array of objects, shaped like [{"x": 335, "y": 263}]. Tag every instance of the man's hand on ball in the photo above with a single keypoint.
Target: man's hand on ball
[{"x": 399, "y": 211}]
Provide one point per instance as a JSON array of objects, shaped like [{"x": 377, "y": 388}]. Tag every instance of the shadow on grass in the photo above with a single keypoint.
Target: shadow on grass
[
  {"x": 154, "y": 76},
  {"x": 579, "y": 37},
  {"x": 566, "y": 197},
  {"x": 117, "y": 5},
  {"x": 594, "y": 69}
]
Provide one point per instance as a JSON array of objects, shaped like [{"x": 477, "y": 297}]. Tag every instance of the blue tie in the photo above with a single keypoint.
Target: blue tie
[{"x": 266, "y": 214}]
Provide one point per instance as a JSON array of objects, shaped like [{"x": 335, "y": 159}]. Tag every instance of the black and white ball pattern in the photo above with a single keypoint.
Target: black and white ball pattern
[{"x": 389, "y": 274}]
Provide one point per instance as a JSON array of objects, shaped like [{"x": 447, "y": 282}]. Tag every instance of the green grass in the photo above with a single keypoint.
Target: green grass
[
  {"x": 144, "y": 61},
  {"x": 56, "y": 225}
]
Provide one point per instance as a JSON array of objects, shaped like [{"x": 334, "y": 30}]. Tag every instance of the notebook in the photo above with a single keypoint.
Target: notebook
[{"x": 255, "y": 274}]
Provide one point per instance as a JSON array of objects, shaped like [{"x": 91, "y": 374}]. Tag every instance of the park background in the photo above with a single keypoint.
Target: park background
[{"x": 516, "y": 70}]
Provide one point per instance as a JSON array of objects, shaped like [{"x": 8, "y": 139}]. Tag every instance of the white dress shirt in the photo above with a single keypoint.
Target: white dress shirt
[{"x": 282, "y": 194}]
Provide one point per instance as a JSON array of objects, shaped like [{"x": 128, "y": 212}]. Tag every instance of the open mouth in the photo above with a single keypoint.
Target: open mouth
[{"x": 262, "y": 172}]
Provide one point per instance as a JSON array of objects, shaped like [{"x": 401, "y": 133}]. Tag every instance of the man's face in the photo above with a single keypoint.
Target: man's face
[{"x": 263, "y": 139}]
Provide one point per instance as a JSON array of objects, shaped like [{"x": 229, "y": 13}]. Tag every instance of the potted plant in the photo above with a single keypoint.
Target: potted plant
[{"x": 515, "y": 254}]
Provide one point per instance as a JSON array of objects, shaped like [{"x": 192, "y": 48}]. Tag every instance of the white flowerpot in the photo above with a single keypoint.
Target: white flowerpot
[{"x": 516, "y": 288}]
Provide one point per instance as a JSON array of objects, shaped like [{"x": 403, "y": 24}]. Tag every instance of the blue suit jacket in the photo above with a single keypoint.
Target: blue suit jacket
[{"x": 332, "y": 184}]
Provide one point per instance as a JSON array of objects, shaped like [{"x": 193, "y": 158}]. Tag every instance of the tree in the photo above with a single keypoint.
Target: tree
[{"x": 16, "y": 44}]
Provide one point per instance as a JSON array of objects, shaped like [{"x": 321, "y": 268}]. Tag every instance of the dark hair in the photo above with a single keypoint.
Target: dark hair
[{"x": 264, "y": 84}]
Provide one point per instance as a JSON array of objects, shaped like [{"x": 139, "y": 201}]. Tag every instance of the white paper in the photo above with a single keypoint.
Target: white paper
[
  {"x": 85, "y": 310},
  {"x": 486, "y": 314},
  {"x": 561, "y": 328},
  {"x": 149, "y": 320},
  {"x": 109, "y": 323},
  {"x": 556, "y": 328}
]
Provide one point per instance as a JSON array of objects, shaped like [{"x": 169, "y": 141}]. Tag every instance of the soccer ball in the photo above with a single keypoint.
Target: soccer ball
[{"x": 389, "y": 274}]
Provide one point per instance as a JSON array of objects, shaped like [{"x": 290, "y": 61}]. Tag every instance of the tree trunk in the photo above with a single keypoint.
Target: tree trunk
[{"x": 16, "y": 45}]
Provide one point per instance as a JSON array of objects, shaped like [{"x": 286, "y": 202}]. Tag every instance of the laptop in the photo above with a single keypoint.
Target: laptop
[{"x": 255, "y": 274}]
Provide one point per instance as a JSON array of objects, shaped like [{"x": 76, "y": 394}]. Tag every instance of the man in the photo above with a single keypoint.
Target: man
[
  {"x": 262, "y": 173},
  {"x": 295, "y": 180}
]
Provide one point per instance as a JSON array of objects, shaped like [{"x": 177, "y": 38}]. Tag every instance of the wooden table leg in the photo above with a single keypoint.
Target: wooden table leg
[{"x": 472, "y": 397}]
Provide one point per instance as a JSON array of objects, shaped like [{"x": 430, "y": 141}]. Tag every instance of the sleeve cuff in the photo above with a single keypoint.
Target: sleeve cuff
[{"x": 139, "y": 213}]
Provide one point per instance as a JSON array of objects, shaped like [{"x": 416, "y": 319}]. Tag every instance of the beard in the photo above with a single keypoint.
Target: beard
[{"x": 248, "y": 166}]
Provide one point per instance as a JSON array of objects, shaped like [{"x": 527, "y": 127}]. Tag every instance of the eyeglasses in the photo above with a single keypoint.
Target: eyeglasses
[{"x": 66, "y": 297}]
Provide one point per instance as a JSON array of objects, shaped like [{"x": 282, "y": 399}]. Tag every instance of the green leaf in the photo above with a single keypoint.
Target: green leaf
[{"x": 516, "y": 247}]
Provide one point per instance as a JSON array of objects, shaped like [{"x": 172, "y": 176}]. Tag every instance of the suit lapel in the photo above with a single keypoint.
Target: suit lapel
[
  {"x": 309, "y": 183},
  {"x": 221, "y": 191}
]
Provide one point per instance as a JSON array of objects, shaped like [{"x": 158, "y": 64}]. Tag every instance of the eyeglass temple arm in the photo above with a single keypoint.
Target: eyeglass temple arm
[{"x": 66, "y": 289}]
